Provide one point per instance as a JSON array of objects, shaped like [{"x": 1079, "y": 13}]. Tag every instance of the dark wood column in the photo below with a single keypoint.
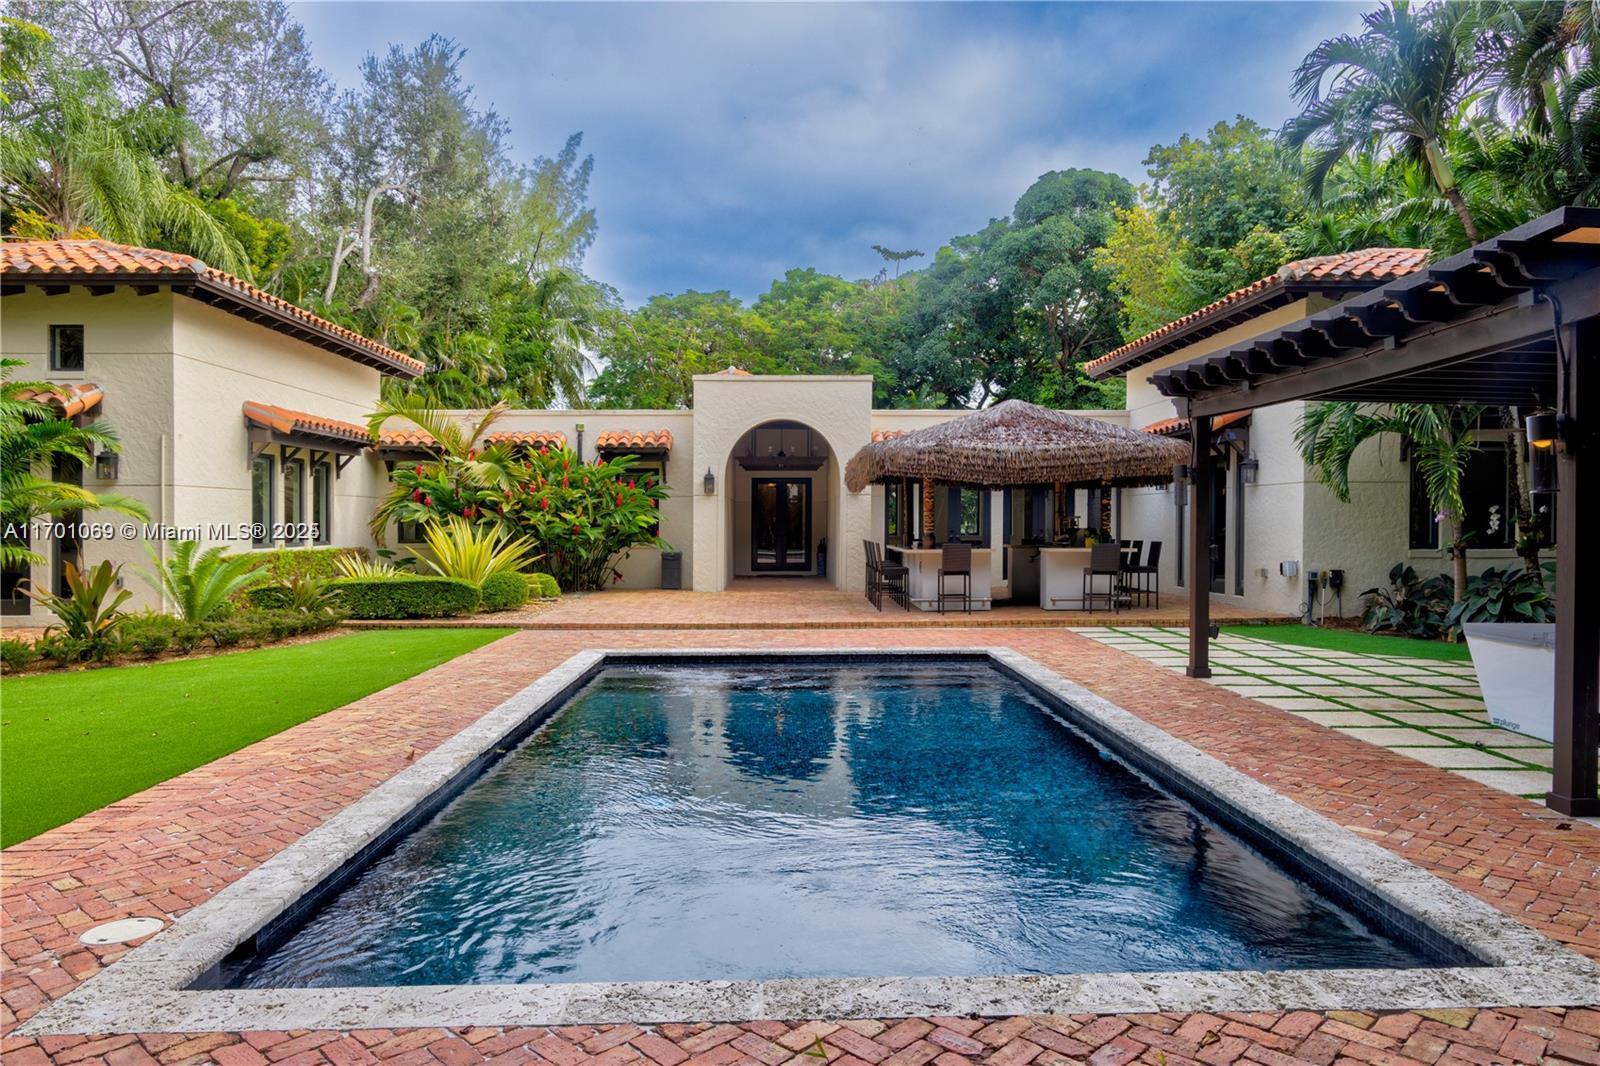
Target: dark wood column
[
  {"x": 1201, "y": 472},
  {"x": 1577, "y": 703}
]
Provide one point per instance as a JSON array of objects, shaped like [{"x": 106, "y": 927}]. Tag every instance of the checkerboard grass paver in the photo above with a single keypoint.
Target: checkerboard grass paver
[
  {"x": 1433, "y": 699},
  {"x": 173, "y": 846}
]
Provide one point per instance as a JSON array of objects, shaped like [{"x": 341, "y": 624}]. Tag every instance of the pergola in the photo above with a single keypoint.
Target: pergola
[
  {"x": 1514, "y": 320},
  {"x": 1016, "y": 443}
]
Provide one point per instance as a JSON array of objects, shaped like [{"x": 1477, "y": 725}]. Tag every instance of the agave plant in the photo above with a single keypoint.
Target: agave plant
[
  {"x": 471, "y": 553},
  {"x": 353, "y": 565},
  {"x": 91, "y": 610},
  {"x": 200, "y": 583}
]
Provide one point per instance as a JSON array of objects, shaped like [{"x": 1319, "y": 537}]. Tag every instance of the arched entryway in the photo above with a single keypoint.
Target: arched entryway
[{"x": 783, "y": 503}]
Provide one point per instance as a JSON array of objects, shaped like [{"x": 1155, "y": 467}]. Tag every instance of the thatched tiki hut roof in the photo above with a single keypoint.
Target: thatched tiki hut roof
[{"x": 1017, "y": 443}]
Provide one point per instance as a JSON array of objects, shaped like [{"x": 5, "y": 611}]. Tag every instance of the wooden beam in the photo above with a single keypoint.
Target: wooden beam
[
  {"x": 1201, "y": 470},
  {"x": 927, "y": 512},
  {"x": 1577, "y": 695}
]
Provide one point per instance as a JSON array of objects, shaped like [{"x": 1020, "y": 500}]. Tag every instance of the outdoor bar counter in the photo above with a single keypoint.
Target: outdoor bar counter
[
  {"x": 923, "y": 581},
  {"x": 1061, "y": 577}
]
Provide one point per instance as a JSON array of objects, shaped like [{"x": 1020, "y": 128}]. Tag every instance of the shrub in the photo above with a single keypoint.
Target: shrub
[
  {"x": 199, "y": 583},
  {"x": 187, "y": 636},
  {"x": 279, "y": 565},
  {"x": 1410, "y": 606},
  {"x": 406, "y": 597},
  {"x": 268, "y": 597},
  {"x": 89, "y": 613},
  {"x": 15, "y": 654},
  {"x": 543, "y": 586},
  {"x": 504, "y": 591},
  {"x": 62, "y": 649},
  {"x": 1517, "y": 595},
  {"x": 361, "y": 566},
  {"x": 309, "y": 595},
  {"x": 473, "y": 553},
  {"x": 149, "y": 632}
]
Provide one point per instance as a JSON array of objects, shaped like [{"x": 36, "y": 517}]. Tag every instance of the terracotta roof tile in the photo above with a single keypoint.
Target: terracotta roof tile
[
  {"x": 416, "y": 438},
  {"x": 1373, "y": 265},
  {"x": 1175, "y": 427},
  {"x": 886, "y": 434},
  {"x": 620, "y": 439},
  {"x": 70, "y": 401},
  {"x": 39, "y": 261},
  {"x": 284, "y": 420},
  {"x": 732, "y": 371}
]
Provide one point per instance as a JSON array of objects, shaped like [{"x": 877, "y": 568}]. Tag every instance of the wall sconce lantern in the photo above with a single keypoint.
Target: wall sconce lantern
[
  {"x": 1180, "y": 473},
  {"x": 710, "y": 482},
  {"x": 105, "y": 466},
  {"x": 1543, "y": 429},
  {"x": 1249, "y": 467}
]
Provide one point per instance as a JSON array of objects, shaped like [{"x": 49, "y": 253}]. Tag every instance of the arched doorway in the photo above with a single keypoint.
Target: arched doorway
[{"x": 783, "y": 480}]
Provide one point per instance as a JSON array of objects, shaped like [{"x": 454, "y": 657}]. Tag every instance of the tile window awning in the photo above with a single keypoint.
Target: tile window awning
[
  {"x": 405, "y": 445},
  {"x": 634, "y": 442},
  {"x": 70, "y": 401},
  {"x": 290, "y": 429},
  {"x": 887, "y": 434},
  {"x": 1179, "y": 427}
]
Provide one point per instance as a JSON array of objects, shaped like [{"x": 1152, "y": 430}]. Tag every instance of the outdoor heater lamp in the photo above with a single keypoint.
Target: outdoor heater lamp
[
  {"x": 710, "y": 482},
  {"x": 1543, "y": 429}
]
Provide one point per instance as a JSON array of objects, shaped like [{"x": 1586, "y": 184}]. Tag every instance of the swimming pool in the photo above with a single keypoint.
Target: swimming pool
[
  {"x": 1252, "y": 860},
  {"x": 779, "y": 820}
]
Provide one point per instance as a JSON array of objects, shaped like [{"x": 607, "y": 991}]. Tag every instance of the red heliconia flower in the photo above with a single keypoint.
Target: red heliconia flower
[
  {"x": 630, "y": 484},
  {"x": 619, "y": 499},
  {"x": 416, "y": 495},
  {"x": 544, "y": 503},
  {"x": 575, "y": 527},
  {"x": 472, "y": 453},
  {"x": 564, "y": 483},
  {"x": 419, "y": 469},
  {"x": 565, "y": 460},
  {"x": 427, "y": 501},
  {"x": 469, "y": 511}
]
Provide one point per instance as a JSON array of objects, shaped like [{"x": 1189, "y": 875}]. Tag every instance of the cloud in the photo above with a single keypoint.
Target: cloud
[{"x": 734, "y": 141}]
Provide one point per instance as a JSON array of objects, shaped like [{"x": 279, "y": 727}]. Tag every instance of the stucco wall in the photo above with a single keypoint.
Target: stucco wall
[
  {"x": 725, "y": 408},
  {"x": 127, "y": 342},
  {"x": 220, "y": 363}
]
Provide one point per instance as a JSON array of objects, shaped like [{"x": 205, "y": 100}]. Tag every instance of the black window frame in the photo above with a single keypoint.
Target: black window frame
[
  {"x": 293, "y": 517},
  {"x": 322, "y": 503},
  {"x": 261, "y": 523},
  {"x": 56, "y": 365},
  {"x": 1480, "y": 490},
  {"x": 409, "y": 533}
]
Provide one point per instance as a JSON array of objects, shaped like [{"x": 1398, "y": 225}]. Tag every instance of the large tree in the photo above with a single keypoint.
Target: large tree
[{"x": 651, "y": 359}]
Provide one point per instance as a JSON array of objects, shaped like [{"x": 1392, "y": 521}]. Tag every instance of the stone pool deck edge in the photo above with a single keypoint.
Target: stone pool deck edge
[{"x": 146, "y": 991}]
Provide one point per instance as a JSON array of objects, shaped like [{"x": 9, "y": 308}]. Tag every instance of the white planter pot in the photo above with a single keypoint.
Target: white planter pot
[{"x": 1516, "y": 664}]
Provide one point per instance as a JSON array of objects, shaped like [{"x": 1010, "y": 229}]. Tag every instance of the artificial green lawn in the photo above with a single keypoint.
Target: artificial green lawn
[
  {"x": 73, "y": 742},
  {"x": 1352, "y": 641}
]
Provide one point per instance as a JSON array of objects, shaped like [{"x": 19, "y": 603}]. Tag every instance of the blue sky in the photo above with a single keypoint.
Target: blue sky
[{"x": 735, "y": 141}]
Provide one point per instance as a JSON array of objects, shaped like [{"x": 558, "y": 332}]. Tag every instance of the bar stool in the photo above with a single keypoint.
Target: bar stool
[
  {"x": 955, "y": 560},
  {"x": 1149, "y": 575},
  {"x": 1105, "y": 560}
]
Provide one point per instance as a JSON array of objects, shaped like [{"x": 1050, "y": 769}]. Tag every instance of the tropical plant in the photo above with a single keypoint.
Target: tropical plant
[
  {"x": 301, "y": 592},
  {"x": 474, "y": 553},
  {"x": 361, "y": 566},
  {"x": 90, "y": 611},
  {"x": 200, "y": 583},
  {"x": 1411, "y": 606},
  {"x": 1401, "y": 82},
  {"x": 1510, "y": 595},
  {"x": 32, "y": 439},
  {"x": 1438, "y": 435}
]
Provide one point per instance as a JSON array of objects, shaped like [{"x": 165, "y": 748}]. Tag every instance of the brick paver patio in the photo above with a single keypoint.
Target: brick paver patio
[{"x": 166, "y": 850}]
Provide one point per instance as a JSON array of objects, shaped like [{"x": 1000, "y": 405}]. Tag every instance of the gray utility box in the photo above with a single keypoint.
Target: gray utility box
[{"x": 672, "y": 570}]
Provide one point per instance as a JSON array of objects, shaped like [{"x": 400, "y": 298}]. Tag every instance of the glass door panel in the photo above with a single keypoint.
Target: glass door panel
[{"x": 780, "y": 524}]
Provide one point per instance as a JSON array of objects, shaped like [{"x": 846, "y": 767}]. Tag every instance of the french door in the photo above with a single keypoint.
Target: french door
[{"x": 780, "y": 524}]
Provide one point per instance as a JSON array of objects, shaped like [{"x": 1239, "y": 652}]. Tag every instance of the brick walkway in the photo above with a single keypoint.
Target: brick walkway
[{"x": 167, "y": 849}]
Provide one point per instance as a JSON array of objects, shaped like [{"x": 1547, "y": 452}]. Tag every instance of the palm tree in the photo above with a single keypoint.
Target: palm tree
[
  {"x": 460, "y": 453},
  {"x": 1402, "y": 82},
  {"x": 72, "y": 165},
  {"x": 32, "y": 437},
  {"x": 1440, "y": 439}
]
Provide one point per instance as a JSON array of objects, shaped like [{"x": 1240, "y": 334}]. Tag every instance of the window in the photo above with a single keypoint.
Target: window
[
  {"x": 1488, "y": 492},
  {"x": 13, "y": 576},
  {"x": 261, "y": 501},
  {"x": 322, "y": 502},
  {"x": 410, "y": 533},
  {"x": 891, "y": 512},
  {"x": 971, "y": 512},
  {"x": 66, "y": 347},
  {"x": 294, "y": 499}
]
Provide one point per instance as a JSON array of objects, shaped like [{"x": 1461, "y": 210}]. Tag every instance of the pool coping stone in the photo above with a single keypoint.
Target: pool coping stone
[{"x": 150, "y": 988}]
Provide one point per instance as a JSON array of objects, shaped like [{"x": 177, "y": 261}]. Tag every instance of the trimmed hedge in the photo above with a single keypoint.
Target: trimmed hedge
[
  {"x": 543, "y": 586},
  {"x": 405, "y": 596},
  {"x": 268, "y": 597},
  {"x": 284, "y": 563},
  {"x": 504, "y": 591}
]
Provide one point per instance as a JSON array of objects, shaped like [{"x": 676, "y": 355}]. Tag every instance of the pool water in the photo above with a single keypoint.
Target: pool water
[{"x": 770, "y": 821}]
